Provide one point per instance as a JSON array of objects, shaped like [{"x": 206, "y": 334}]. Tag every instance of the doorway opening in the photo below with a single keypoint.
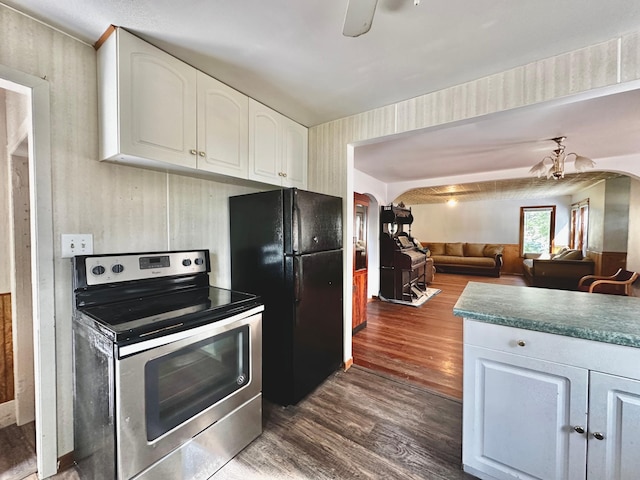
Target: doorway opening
[{"x": 27, "y": 249}]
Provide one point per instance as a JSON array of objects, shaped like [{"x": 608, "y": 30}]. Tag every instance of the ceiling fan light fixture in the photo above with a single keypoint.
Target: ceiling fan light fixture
[
  {"x": 557, "y": 161},
  {"x": 539, "y": 168},
  {"x": 582, "y": 163},
  {"x": 359, "y": 17}
]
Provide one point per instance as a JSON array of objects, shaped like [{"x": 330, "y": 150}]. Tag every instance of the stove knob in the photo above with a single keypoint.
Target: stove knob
[
  {"x": 117, "y": 268},
  {"x": 186, "y": 262},
  {"x": 199, "y": 261},
  {"x": 98, "y": 270}
]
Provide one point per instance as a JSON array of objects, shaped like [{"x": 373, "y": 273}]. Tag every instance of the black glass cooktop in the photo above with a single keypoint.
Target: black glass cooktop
[{"x": 140, "y": 318}]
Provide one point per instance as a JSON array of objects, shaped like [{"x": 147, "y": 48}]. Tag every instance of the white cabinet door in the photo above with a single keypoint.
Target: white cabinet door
[
  {"x": 264, "y": 144},
  {"x": 223, "y": 128},
  {"x": 614, "y": 426},
  {"x": 519, "y": 417},
  {"x": 278, "y": 148},
  {"x": 294, "y": 154},
  {"x": 157, "y": 103}
]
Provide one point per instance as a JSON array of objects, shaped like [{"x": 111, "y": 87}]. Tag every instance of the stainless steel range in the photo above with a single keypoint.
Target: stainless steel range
[{"x": 168, "y": 372}]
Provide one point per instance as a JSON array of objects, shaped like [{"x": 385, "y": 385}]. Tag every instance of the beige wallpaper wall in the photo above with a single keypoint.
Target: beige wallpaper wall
[
  {"x": 131, "y": 209},
  {"x": 125, "y": 208},
  {"x": 596, "y": 66}
]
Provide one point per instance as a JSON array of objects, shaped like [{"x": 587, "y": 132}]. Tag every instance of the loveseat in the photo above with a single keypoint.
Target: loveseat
[
  {"x": 562, "y": 270},
  {"x": 469, "y": 258}
]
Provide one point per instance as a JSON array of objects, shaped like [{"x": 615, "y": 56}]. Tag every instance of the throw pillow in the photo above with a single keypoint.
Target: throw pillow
[
  {"x": 436, "y": 248},
  {"x": 572, "y": 255},
  {"x": 474, "y": 249},
  {"x": 454, "y": 249},
  {"x": 491, "y": 250},
  {"x": 560, "y": 252}
]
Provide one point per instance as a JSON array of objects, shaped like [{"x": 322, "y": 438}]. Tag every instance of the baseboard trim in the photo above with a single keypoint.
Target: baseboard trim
[
  {"x": 348, "y": 363},
  {"x": 65, "y": 462},
  {"x": 7, "y": 413}
]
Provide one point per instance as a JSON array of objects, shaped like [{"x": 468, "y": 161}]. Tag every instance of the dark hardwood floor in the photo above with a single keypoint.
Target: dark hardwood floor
[
  {"x": 423, "y": 344},
  {"x": 357, "y": 424}
]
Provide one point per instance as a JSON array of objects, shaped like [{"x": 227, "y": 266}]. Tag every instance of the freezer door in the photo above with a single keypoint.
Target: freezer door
[
  {"x": 318, "y": 321},
  {"x": 313, "y": 222}
]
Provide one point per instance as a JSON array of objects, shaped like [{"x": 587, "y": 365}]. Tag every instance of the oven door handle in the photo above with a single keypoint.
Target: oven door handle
[{"x": 217, "y": 327}]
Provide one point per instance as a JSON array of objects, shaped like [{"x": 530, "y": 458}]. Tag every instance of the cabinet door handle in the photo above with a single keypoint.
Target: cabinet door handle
[
  {"x": 193, "y": 152},
  {"x": 598, "y": 436},
  {"x": 284, "y": 174},
  {"x": 521, "y": 343},
  {"x": 579, "y": 429},
  {"x": 202, "y": 154}
]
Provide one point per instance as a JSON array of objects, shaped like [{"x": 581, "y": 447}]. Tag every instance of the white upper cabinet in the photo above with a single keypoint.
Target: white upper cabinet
[
  {"x": 148, "y": 103},
  {"x": 278, "y": 148},
  {"x": 157, "y": 111},
  {"x": 223, "y": 128}
]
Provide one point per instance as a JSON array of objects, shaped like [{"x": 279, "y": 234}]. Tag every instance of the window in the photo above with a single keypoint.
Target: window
[
  {"x": 579, "y": 225},
  {"x": 537, "y": 227}
]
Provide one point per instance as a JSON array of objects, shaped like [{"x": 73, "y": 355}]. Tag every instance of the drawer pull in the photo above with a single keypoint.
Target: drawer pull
[
  {"x": 598, "y": 436},
  {"x": 579, "y": 429},
  {"x": 521, "y": 343}
]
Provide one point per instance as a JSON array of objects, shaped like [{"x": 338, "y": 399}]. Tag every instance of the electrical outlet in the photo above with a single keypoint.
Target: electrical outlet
[{"x": 76, "y": 244}]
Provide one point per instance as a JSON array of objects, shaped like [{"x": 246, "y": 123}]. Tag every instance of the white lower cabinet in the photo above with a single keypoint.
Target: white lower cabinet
[
  {"x": 614, "y": 427},
  {"x": 528, "y": 413},
  {"x": 518, "y": 414}
]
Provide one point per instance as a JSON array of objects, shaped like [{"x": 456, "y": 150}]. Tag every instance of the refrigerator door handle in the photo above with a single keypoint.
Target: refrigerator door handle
[
  {"x": 296, "y": 229},
  {"x": 297, "y": 280}
]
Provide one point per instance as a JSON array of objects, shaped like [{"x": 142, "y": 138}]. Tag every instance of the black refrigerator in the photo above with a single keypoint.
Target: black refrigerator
[{"x": 286, "y": 246}]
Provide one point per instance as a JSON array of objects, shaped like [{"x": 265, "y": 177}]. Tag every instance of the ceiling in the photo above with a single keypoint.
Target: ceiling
[
  {"x": 599, "y": 128},
  {"x": 514, "y": 189},
  {"x": 292, "y": 56}
]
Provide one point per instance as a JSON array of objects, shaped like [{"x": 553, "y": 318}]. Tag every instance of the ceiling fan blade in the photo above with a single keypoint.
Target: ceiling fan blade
[{"x": 359, "y": 17}]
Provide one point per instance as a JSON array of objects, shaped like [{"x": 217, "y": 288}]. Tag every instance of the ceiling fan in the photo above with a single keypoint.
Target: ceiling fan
[{"x": 359, "y": 16}]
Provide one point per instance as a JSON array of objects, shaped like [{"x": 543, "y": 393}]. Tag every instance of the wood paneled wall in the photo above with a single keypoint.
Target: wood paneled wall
[
  {"x": 607, "y": 263},
  {"x": 512, "y": 259},
  {"x": 6, "y": 349}
]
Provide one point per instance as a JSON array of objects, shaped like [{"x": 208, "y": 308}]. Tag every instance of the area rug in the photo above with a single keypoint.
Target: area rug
[{"x": 419, "y": 301}]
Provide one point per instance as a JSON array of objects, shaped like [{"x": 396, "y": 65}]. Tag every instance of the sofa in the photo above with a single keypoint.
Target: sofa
[
  {"x": 562, "y": 270},
  {"x": 468, "y": 258}
]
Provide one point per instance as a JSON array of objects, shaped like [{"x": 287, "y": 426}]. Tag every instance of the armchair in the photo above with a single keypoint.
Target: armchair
[{"x": 620, "y": 281}]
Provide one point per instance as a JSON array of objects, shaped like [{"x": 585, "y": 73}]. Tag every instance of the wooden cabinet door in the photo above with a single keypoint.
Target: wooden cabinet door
[
  {"x": 519, "y": 415},
  {"x": 359, "y": 319},
  {"x": 614, "y": 423},
  {"x": 360, "y": 261},
  {"x": 157, "y": 100},
  {"x": 223, "y": 128}
]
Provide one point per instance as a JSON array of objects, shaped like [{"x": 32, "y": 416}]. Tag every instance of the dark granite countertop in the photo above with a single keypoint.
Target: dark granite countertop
[{"x": 591, "y": 316}]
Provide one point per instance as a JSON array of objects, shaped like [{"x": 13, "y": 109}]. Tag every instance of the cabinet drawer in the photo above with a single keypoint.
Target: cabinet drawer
[{"x": 598, "y": 356}]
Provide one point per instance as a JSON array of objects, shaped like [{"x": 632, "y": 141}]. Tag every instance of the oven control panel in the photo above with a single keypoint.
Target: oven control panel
[{"x": 104, "y": 269}]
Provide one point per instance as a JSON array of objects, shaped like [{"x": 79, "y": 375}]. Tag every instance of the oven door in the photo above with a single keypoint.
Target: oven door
[{"x": 170, "y": 388}]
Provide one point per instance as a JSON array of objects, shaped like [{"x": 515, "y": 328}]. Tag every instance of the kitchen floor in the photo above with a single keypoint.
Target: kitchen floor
[
  {"x": 357, "y": 424},
  {"x": 361, "y": 423}
]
